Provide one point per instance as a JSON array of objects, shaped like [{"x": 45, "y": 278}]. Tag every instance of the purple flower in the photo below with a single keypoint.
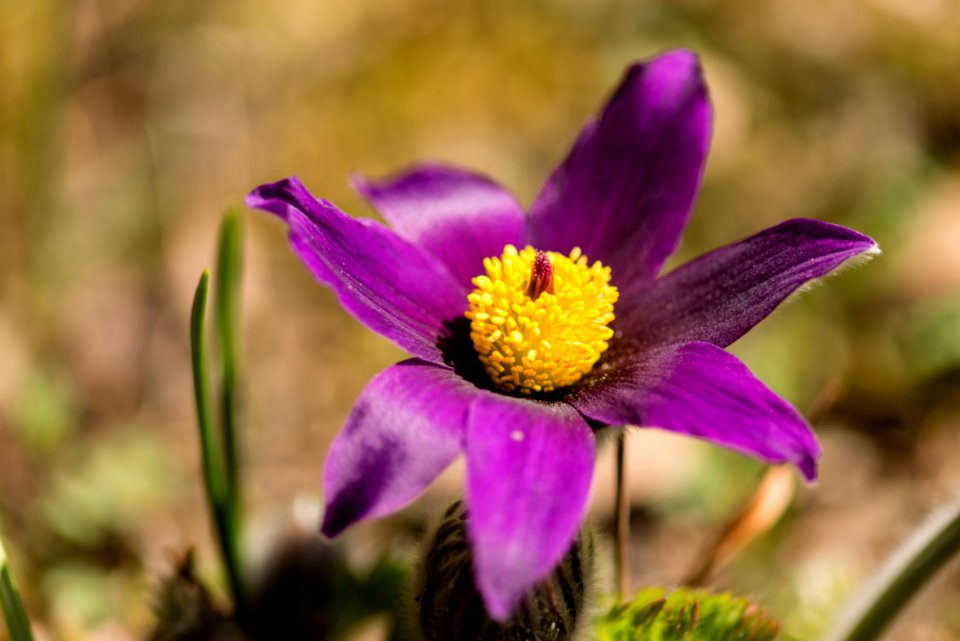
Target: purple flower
[{"x": 523, "y": 403}]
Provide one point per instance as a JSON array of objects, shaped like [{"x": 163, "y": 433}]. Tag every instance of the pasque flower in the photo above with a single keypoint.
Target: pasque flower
[{"x": 531, "y": 331}]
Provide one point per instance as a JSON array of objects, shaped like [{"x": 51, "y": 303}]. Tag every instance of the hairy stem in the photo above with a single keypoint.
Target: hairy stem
[
  {"x": 930, "y": 547},
  {"x": 621, "y": 552}
]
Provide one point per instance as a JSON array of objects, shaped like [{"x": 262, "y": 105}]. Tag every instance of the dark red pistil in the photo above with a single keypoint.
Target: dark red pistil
[{"x": 541, "y": 276}]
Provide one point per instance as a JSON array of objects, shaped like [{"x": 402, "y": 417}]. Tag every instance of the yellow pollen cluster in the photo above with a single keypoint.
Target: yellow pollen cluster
[{"x": 542, "y": 344}]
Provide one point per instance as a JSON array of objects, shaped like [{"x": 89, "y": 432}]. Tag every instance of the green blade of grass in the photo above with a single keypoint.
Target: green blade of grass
[
  {"x": 212, "y": 466},
  {"x": 213, "y": 470},
  {"x": 227, "y": 306},
  {"x": 14, "y": 615}
]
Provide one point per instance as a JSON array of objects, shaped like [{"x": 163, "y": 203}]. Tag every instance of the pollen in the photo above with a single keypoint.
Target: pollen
[{"x": 540, "y": 320}]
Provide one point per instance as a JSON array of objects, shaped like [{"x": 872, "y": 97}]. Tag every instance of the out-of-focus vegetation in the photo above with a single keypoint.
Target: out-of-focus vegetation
[
  {"x": 126, "y": 127},
  {"x": 656, "y": 614}
]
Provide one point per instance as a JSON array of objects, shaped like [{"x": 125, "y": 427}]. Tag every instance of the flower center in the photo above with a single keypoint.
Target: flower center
[{"x": 540, "y": 320}]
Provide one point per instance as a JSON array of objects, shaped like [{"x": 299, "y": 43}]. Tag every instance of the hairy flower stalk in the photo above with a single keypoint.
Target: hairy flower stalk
[
  {"x": 931, "y": 547},
  {"x": 518, "y": 377}
]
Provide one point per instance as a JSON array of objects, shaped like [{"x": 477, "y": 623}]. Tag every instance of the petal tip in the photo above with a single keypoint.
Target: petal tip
[
  {"x": 679, "y": 56},
  {"x": 674, "y": 67},
  {"x": 806, "y": 456},
  {"x": 863, "y": 249},
  {"x": 808, "y": 468},
  {"x": 276, "y": 197},
  {"x": 334, "y": 521},
  {"x": 870, "y": 251}
]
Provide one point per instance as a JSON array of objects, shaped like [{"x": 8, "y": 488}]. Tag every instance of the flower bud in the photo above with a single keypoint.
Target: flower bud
[{"x": 448, "y": 607}]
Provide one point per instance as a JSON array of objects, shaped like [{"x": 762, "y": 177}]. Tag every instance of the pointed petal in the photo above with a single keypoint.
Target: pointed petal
[
  {"x": 719, "y": 296},
  {"x": 385, "y": 282},
  {"x": 700, "y": 390},
  {"x": 407, "y": 426},
  {"x": 458, "y": 216},
  {"x": 529, "y": 467},
  {"x": 625, "y": 192}
]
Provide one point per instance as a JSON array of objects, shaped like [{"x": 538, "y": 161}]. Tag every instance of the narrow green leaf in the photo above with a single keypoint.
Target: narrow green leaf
[
  {"x": 213, "y": 470},
  {"x": 14, "y": 615},
  {"x": 212, "y": 466},
  {"x": 227, "y": 307}
]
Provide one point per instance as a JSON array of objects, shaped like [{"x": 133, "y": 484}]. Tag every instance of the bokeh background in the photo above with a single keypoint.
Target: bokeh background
[{"x": 126, "y": 129}]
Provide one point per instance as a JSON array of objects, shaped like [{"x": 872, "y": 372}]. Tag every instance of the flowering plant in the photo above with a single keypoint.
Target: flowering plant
[{"x": 522, "y": 348}]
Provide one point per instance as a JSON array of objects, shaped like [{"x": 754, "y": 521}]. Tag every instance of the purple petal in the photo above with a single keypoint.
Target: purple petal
[
  {"x": 700, "y": 390},
  {"x": 388, "y": 284},
  {"x": 624, "y": 193},
  {"x": 529, "y": 467},
  {"x": 719, "y": 296},
  {"x": 407, "y": 426},
  {"x": 460, "y": 217}
]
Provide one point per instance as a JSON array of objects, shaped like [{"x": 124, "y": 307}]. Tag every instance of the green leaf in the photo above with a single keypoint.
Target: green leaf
[
  {"x": 212, "y": 465},
  {"x": 214, "y": 476},
  {"x": 227, "y": 308}
]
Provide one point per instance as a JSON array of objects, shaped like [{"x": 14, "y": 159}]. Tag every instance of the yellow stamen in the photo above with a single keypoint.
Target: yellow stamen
[{"x": 537, "y": 335}]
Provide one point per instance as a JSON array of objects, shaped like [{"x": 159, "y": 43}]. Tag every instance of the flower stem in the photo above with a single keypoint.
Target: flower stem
[
  {"x": 14, "y": 615},
  {"x": 214, "y": 476},
  {"x": 930, "y": 547},
  {"x": 621, "y": 552}
]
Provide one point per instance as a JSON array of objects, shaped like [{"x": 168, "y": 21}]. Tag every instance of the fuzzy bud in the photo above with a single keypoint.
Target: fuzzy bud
[
  {"x": 657, "y": 614},
  {"x": 448, "y": 607}
]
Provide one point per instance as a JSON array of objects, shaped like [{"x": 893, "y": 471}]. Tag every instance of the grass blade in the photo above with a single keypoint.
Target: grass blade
[
  {"x": 227, "y": 308},
  {"x": 14, "y": 615},
  {"x": 213, "y": 469}
]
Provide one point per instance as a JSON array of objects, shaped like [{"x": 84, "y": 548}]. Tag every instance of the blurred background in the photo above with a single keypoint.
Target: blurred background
[{"x": 126, "y": 129}]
